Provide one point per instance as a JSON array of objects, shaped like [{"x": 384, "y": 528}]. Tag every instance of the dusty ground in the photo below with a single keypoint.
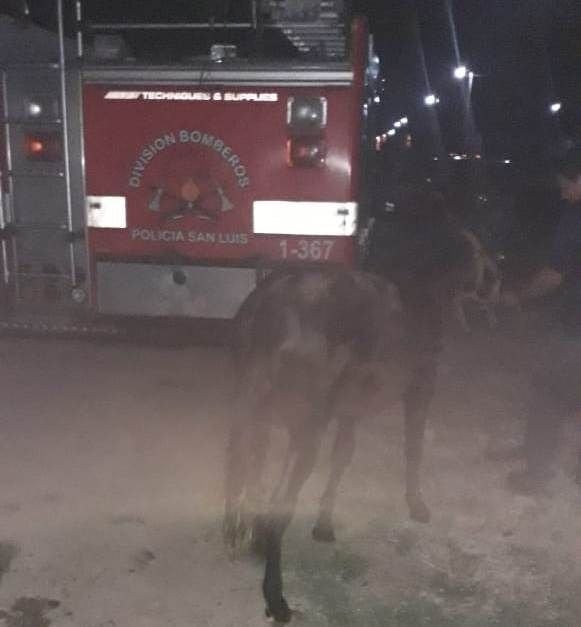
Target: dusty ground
[{"x": 111, "y": 496}]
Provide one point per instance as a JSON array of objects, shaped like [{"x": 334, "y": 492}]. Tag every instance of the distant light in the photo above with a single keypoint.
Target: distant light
[
  {"x": 404, "y": 121},
  {"x": 435, "y": 158},
  {"x": 457, "y": 157},
  {"x": 431, "y": 100},
  {"x": 460, "y": 72},
  {"x": 507, "y": 161},
  {"x": 555, "y": 107},
  {"x": 391, "y": 132},
  {"x": 376, "y": 99},
  {"x": 397, "y": 124},
  {"x": 478, "y": 156}
]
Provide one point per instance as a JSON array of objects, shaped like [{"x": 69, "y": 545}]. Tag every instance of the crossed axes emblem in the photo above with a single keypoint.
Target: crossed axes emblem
[{"x": 188, "y": 203}]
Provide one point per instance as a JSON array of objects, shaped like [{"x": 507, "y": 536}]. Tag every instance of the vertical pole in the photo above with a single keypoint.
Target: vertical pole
[
  {"x": 254, "y": 14},
  {"x": 2, "y": 225},
  {"x": 8, "y": 214},
  {"x": 258, "y": 27},
  {"x": 79, "y": 26},
  {"x": 65, "y": 125}
]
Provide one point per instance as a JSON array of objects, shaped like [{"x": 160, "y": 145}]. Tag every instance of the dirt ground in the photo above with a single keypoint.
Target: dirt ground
[{"x": 111, "y": 471}]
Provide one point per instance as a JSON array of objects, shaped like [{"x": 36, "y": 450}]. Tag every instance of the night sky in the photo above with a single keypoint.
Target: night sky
[{"x": 526, "y": 54}]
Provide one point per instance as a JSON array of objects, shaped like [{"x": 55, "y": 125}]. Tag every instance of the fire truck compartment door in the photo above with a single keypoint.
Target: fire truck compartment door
[{"x": 140, "y": 289}]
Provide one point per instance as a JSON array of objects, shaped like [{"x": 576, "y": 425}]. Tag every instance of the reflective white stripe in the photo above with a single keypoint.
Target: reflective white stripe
[
  {"x": 106, "y": 212},
  {"x": 281, "y": 217}
]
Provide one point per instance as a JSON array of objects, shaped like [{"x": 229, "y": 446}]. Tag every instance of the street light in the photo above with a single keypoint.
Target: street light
[
  {"x": 460, "y": 72},
  {"x": 404, "y": 121},
  {"x": 431, "y": 100},
  {"x": 391, "y": 132},
  {"x": 397, "y": 124},
  {"x": 555, "y": 107}
]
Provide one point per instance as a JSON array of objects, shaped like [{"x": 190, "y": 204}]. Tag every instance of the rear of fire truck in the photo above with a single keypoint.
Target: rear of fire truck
[{"x": 194, "y": 156}]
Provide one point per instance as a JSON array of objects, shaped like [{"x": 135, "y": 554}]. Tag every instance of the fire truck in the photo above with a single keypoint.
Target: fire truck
[{"x": 136, "y": 185}]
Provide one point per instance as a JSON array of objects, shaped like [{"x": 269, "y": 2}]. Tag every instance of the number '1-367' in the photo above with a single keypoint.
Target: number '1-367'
[{"x": 313, "y": 250}]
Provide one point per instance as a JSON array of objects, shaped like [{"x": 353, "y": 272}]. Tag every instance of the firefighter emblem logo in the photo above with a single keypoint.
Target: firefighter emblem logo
[
  {"x": 188, "y": 176},
  {"x": 193, "y": 194}
]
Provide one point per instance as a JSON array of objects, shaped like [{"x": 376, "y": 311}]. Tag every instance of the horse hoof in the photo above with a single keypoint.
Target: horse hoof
[
  {"x": 280, "y": 614},
  {"x": 323, "y": 532},
  {"x": 419, "y": 511}
]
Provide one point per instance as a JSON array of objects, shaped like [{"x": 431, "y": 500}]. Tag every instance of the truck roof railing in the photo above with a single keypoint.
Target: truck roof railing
[{"x": 309, "y": 25}]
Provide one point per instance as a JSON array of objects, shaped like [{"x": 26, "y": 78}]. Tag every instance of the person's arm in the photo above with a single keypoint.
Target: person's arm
[{"x": 549, "y": 278}]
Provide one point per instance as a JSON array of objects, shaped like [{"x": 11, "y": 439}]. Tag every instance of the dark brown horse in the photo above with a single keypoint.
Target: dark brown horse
[{"x": 317, "y": 345}]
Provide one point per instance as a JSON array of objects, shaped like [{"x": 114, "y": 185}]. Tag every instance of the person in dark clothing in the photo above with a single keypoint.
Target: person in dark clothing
[{"x": 556, "y": 381}]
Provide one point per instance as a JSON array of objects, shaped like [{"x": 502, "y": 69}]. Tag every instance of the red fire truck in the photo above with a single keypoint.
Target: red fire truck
[{"x": 147, "y": 187}]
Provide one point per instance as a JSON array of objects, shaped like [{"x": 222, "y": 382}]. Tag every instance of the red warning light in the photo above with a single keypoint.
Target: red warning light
[
  {"x": 43, "y": 147},
  {"x": 36, "y": 147},
  {"x": 306, "y": 151}
]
